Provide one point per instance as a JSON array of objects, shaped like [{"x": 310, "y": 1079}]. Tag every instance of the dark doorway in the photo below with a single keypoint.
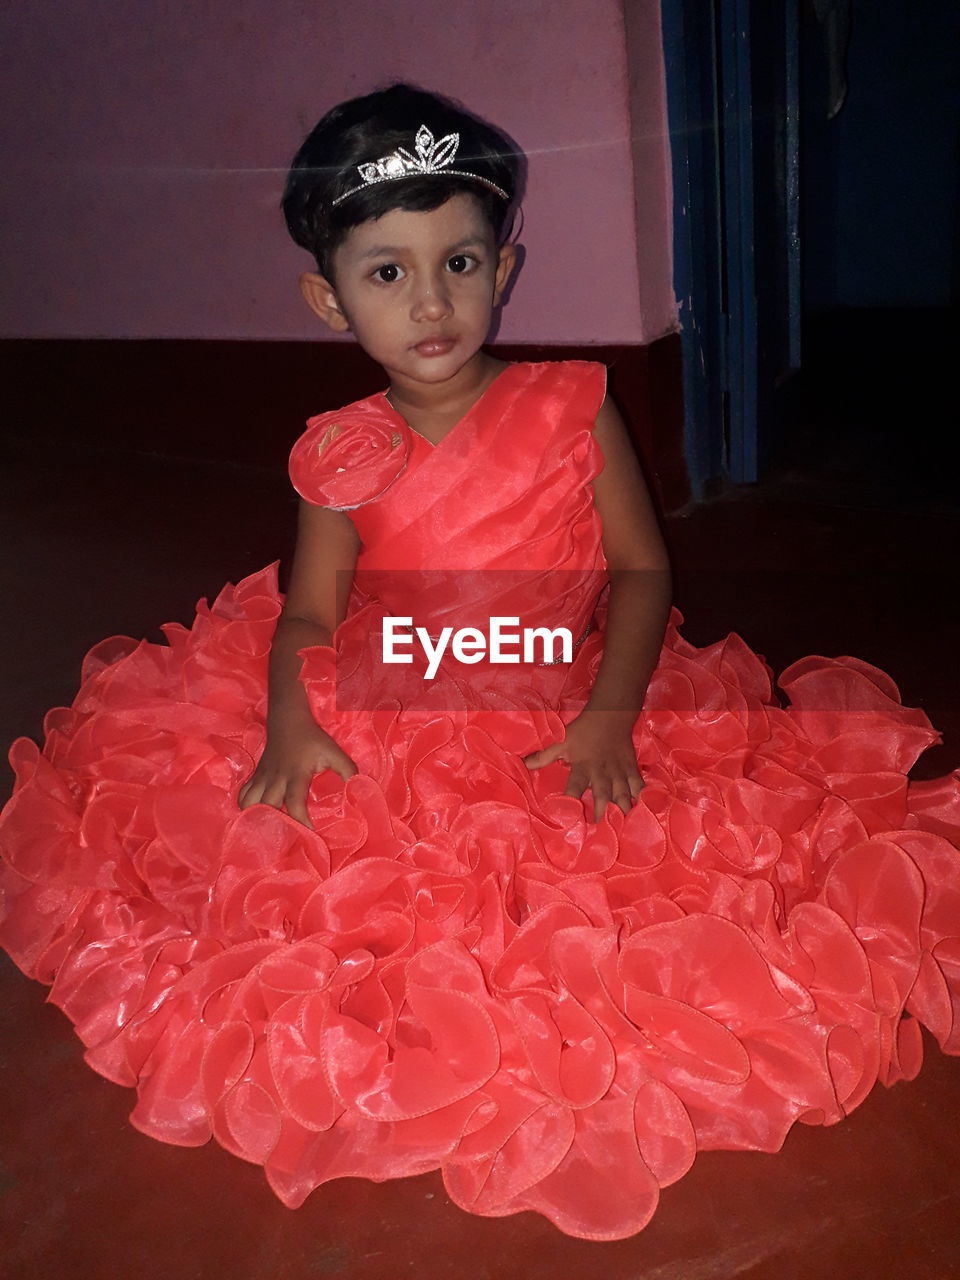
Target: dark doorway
[{"x": 815, "y": 152}]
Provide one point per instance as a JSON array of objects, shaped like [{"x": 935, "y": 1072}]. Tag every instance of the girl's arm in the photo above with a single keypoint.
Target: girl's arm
[
  {"x": 316, "y": 603},
  {"x": 598, "y": 744}
]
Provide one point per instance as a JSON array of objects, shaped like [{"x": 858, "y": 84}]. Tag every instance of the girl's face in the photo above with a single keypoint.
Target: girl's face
[{"x": 417, "y": 290}]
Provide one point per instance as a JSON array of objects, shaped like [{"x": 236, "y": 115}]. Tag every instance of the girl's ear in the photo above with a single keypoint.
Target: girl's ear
[
  {"x": 321, "y": 298},
  {"x": 505, "y": 265}
]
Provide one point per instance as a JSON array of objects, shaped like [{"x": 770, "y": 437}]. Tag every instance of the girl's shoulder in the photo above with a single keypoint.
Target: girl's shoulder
[
  {"x": 565, "y": 368},
  {"x": 578, "y": 386}
]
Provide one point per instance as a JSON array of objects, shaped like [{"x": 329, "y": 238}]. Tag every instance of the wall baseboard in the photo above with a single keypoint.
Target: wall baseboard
[{"x": 246, "y": 402}]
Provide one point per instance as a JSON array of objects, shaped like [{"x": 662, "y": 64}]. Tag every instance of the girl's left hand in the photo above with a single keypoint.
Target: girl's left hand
[{"x": 598, "y": 747}]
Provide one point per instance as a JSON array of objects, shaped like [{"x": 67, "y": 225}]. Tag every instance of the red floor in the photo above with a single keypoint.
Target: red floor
[{"x": 827, "y": 562}]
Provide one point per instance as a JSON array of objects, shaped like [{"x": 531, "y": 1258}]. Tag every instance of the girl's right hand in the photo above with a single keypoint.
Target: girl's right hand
[{"x": 287, "y": 767}]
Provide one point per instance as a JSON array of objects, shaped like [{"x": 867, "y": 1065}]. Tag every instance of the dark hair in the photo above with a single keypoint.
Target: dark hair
[{"x": 366, "y": 129}]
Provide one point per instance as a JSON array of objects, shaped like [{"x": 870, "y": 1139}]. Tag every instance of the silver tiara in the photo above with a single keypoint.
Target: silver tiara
[{"x": 432, "y": 157}]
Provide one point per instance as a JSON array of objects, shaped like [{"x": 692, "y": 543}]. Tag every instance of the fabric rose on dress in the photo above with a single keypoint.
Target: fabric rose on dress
[{"x": 348, "y": 458}]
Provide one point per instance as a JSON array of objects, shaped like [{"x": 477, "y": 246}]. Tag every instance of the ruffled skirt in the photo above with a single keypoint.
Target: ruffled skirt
[{"x": 455, "y": 969}]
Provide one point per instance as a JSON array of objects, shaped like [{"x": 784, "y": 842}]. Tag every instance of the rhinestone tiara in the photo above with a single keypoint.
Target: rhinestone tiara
[{"x": 432, "y": 157}]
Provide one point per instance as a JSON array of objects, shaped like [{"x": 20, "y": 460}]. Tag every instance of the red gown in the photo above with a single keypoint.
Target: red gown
[{"x": 455, "y": 970}]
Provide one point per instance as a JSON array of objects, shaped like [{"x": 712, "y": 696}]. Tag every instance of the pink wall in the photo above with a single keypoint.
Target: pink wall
[{"x": 145, "y": 148}]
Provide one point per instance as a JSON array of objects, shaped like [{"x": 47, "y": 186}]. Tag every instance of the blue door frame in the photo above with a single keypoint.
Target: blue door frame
[
  {"x": 734, "y": 160},
  {"x": 736, "y": 135}
]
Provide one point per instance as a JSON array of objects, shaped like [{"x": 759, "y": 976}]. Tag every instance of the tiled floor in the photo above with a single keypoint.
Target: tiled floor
[{"x": 837, "y": 558}]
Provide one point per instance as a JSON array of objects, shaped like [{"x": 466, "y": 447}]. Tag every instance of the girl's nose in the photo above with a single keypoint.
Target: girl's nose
[{"x": 432, "y": 301}]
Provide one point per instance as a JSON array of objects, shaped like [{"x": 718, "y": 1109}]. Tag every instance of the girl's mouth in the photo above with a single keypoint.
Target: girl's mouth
[{"x": 435, "y": 346}]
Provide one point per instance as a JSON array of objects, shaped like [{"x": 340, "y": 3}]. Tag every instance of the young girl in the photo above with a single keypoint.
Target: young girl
[
  {"x": 414, "y": 269},
  {"x": 549, "y": 924}
]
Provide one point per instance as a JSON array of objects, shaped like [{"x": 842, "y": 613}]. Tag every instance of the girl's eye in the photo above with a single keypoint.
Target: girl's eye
[
  {"x": 460, "y": 263},
  {"x": 388, "y": 273}
]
